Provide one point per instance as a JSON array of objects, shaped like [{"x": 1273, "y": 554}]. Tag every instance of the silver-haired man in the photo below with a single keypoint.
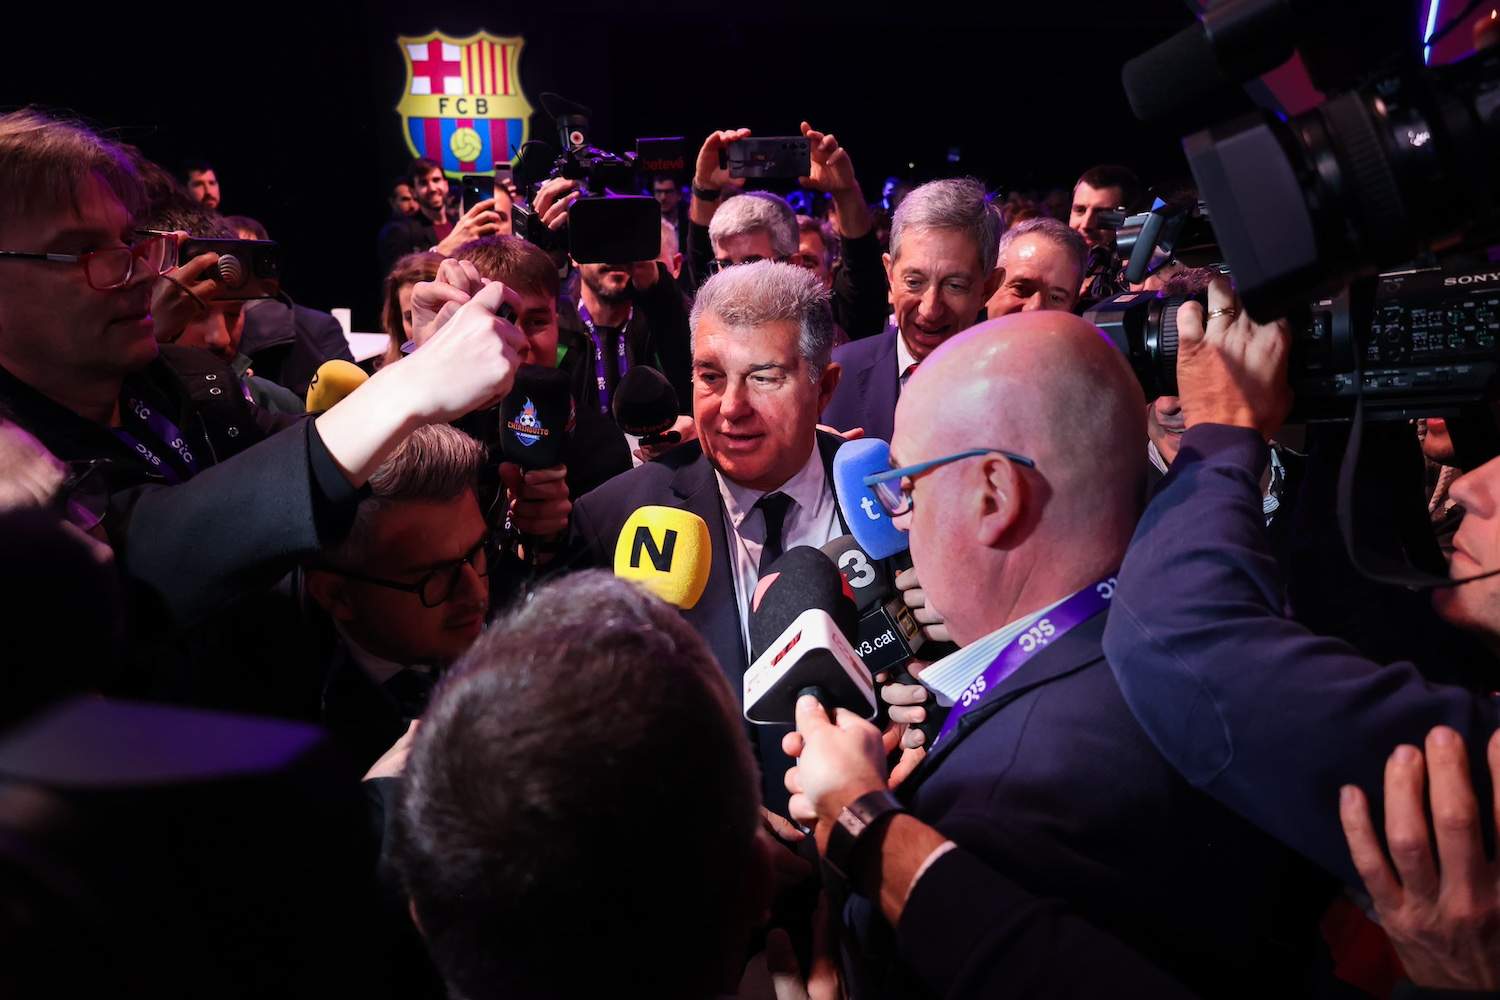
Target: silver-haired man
[
  {"x": 941, "y": 271},
  {"x": 760, "y": 471},
  {"x": 724, "y": 230}
]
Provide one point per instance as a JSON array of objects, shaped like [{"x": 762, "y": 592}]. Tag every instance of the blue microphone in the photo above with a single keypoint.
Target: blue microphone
[{"x": 868, "y": 522}]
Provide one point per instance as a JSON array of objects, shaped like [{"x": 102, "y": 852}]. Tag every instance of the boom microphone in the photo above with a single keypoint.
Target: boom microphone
[
  {"x": 799, "y": 641},
  {"x": 536, "y": 418},
  {"x": 868, "y": 522},
  {"x": 645, "y": 406},
  {"x": 332, "y": 382},
  {"x": 667, "y": 551}
]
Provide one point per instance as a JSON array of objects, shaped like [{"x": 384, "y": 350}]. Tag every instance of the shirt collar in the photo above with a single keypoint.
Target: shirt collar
[
  {"x": 949, "y": 676},
  {"x": 904, "y": 360},
  {"x": 805, "y": 488},
  {"x": 377, "y": 668}
]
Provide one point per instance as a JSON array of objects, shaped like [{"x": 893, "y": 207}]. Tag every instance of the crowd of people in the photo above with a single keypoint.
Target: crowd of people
[{"x": 315, "y": 685}]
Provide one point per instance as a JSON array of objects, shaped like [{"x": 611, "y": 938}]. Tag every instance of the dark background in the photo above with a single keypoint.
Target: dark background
[{"x": 295, "y": 105}]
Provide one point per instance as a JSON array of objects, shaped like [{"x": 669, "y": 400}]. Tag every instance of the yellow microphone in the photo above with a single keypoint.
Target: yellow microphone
[
  {"x": 667, "y": 551},
  {"x": 332, "y": 382}
]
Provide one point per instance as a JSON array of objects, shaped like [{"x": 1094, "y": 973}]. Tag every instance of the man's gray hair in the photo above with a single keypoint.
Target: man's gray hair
[
  {"x": 1052, "y": 230},
  {"x": 436, "y": 463},
  {"x": 959, "y": 204},
  {"x": 754, "y": 212},
  {"x": 748, "y": 296}
]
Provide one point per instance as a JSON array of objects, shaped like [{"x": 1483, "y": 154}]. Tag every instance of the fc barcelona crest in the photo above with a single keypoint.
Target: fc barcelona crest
[{"x": 462, "y": 105}]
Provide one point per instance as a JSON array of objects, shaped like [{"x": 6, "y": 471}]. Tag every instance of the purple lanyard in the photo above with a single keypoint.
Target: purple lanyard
[
  {"x": 1047, "y": 629},
  {"x": 599, "y": 369},
  {"x": 170, "y": 454}
]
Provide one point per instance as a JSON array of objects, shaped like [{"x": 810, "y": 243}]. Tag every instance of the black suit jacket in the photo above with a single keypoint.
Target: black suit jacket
[
  {"x": 286, "y": 342},
  {"x": 1053, "y": 784},
  {"x": 867, "y": 390},
  {"x": 683, "y": 478}
]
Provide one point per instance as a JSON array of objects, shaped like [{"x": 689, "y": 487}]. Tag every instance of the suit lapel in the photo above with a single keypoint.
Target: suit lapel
[{"x": 716, "y": 615}]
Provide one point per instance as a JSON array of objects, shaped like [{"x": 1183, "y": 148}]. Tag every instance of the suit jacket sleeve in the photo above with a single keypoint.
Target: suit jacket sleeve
[
  {"x": 236, "y": 527},
  {"x": 968, "y": 931},
  {"x": 860, "y": 303},
  {"x": 1247, "y": 704}
]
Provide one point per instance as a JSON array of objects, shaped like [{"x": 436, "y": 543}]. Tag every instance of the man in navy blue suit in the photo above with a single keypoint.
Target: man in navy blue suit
[
  {"x": 941, "y": 269},
  {"x": 1045, "y": 787},
  {"x": 1275, "y": 722}
]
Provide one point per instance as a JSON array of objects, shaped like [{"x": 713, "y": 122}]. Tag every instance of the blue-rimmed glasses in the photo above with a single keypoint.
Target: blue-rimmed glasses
[
  {"x": 897, "y": 501},
  {"x": 113, "y": 268}
]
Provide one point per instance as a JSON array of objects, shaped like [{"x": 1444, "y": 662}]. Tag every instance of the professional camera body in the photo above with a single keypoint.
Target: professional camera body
[
  {"x": 604, "y": 227},
  {"x": 1329, "y": 218}
]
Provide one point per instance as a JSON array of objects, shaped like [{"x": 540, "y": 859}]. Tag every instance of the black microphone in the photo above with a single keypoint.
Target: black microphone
[
  {"x": 645, "y": 405},
  {"x": 800, "y": 626},
  {"x": 537, "y": 418},
  {"x": 888, "y": 635}
]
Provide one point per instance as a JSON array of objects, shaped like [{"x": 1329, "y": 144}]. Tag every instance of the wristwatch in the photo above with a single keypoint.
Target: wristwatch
[
  {"x": 706, "y": 194},
  {"x": 854, "y": 825}
]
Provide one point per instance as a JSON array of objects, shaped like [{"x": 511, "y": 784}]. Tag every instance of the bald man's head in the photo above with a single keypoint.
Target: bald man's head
[{"x": 1050, "y": 387}]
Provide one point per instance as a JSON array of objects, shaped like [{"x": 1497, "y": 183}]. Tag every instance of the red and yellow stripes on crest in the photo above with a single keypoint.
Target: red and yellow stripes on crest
[{"x": 487, "y": 68}]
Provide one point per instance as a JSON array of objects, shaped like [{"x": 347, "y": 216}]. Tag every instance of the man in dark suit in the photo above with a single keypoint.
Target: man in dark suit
[
  {"x": 1201, "y": 647},
  {"x": 405, "y": 591},
  {"x": 1019, "y": 515},
  {"x": 759, "y": 473},
  {"x": 940, "y": 271}
]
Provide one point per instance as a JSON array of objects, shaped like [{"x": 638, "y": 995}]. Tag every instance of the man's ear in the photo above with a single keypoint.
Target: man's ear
[
  {"x": 828, "y": 382},
  {"x": 890, "y": 279},
  {"x": 329, "y": 592},
  {"x": 1002, "y": 500},
  {"x": 416, "y": 921}
]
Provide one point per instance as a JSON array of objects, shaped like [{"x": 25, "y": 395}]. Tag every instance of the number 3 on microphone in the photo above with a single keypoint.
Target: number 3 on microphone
[{"x": 857, "y": 567}]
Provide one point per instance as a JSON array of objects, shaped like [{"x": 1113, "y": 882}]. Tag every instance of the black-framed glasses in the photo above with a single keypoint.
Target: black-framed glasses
[
  {"x": 436, "y": 585},
  {"x": 897, "y": 501},
  {"x": 720, "y": 263},
  {"x": 114, "y": 267}
]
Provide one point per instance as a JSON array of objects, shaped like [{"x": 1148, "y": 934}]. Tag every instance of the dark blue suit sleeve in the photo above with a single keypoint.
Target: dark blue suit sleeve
[
  {"x": 1247, "y": 704},
  {"x": 968, "y": 931}
]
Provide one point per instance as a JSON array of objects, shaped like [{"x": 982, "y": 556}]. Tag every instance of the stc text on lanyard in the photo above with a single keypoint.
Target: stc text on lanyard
[
  {"x": 1047, "y": 629},
  {"x": 159, "y": 441},
  {"x": 599, "y": 364}
]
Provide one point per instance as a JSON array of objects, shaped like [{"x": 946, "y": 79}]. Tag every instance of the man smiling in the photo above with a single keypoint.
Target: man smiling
[
  {"x": 759, "y": 472},
  {"x": 941, "y": 270}
]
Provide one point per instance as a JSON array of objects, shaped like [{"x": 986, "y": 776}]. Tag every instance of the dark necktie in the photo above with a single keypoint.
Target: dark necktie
[
  {"x": 410, "y": 689},
  {"x": 774, "y": 506}
]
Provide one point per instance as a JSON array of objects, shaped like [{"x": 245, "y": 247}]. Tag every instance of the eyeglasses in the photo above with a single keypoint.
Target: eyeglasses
[
  {"x": 83, "y": 497},
  {"x": 436, "y": 585},
  {"x": 720, "y": 263},
  {"x": 113, "y": 268},
  {"x": 898, "y": 501}
]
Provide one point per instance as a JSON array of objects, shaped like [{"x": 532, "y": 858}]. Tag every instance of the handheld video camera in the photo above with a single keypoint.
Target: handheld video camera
[
  {"x": 1326, "y": 217},
  {"x": 606, "y": 224}
]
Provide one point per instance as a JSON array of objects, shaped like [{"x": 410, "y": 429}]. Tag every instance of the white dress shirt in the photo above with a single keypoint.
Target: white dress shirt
[
  {"x": 904, "y": 361},
  {"x": 812, "y": 519}
]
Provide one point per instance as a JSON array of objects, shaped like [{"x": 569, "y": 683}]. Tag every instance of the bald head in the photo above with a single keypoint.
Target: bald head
[{"x": 1045, "y": 385}]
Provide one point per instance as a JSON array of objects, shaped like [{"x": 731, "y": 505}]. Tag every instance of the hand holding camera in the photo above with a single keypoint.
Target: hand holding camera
[
  {"x": 1231, "y": 369},
  {"x": 182, "y": 294},
  {"x": 479, "y": 221}
]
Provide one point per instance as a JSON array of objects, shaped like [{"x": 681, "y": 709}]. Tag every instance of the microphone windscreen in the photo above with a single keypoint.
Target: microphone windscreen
[
  {"x": 868, "y": 579},
  {"x": 332, "y": 382},
  {"x": 666, "y": 550},
  {"x": 536, "y": 418},
  {"x": 645, "y": 402},
  {"x": 868, "y": 522},
  {"x": 806, "y": 579}
]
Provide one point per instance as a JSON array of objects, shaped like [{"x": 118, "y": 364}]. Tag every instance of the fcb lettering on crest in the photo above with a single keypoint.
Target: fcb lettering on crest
[{"x": 462, "y": 105}]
